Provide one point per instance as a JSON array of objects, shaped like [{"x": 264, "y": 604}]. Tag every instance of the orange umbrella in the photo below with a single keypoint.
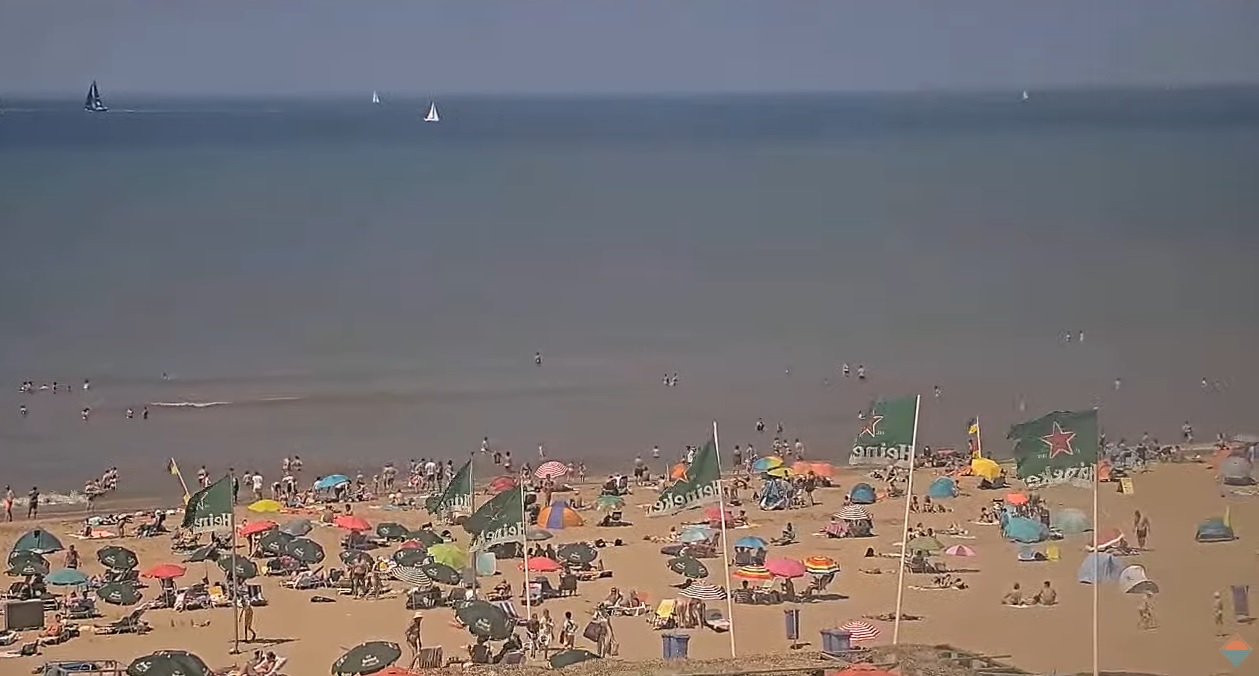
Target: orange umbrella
[
  {"x": 166, "y": 571},
  {"x": 256, "y": 527},
  {"x": 351, "y": 522},
  {"x": 541, "y": 564},
  {"x": 1016, "y": 498},
  {"x": 678, "y": 471},
  {"x": 825, "y": 469}
]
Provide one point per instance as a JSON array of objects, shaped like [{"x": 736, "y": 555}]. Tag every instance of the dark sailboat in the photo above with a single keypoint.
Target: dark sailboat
[{"x": 93, "y": 103}]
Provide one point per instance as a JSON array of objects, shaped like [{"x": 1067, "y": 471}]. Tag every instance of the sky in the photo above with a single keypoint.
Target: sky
[{"x": 424, "y": 47}]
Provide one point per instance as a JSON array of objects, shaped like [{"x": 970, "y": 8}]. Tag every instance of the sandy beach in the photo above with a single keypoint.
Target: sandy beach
[{"x": 1175, "y": 498}]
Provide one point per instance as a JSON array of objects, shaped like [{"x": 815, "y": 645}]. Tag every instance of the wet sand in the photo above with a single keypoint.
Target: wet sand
[{"x": 1175, "y": 497}]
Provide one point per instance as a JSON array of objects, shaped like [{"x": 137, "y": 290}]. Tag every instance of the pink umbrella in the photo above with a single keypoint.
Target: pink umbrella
[
  {"x": 960, "y": 550},
  {"x": 714, "y": 513},
  {"x": 789, "y": 568}
]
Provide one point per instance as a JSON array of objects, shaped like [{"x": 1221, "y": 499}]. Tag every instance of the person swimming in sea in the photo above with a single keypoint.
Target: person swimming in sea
[{"x": 537, "y": 358}]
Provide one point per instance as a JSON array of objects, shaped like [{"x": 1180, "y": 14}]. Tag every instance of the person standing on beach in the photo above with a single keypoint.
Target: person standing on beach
[
  {"x": 21, "y": 410},
  {"x": 1186, "y": 432},
  {"x": 1217, "y": 610},
  {"x": 846, "y": 369},
  {"x": 203, "y": 476},
  {"x": 1141, "y": 526},
  {"x": 8, "y": 504},
  {"x": 415, "y": 639},
  {"x": 760, "y": 425},
  {"x": 32, "y": 503},
  {"x": 861, "y": 372},
  {"x": 247, "y": 633}
]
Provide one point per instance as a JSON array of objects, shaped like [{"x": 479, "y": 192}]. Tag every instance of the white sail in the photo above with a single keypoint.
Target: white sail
[
  {"x": 1025, "y": 96},
  {"x": 432, "y": 114},
  {"x": 375, "y": 98},
  {"x": 93, "y": 103}
]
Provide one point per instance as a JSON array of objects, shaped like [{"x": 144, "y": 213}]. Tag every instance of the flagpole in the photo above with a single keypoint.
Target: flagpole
[
  {"x": 979, "y": 439},
  {"x": 179, "y": 475},
  {"x": 524, "y": 549},
  {"x": 725, "y": 557},
  {"x": 236, "y": 610},
  {"x": 1096, "y": 563},
  {"x": 909, "y": 491}
]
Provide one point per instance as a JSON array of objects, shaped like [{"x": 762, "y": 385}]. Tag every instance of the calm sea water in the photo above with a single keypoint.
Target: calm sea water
[{"x": 362, "y": 286}]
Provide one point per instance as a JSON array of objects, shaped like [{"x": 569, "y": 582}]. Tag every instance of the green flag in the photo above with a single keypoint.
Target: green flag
[
  {"x": 457, "y": 497},
  {"x": 699, "y": 486},
  {"x": 501, "y": 519},
  {"x": 887, "y": 432},
  {"x": 1057, "y": 448},
  {"x": 210, "y": 508}
]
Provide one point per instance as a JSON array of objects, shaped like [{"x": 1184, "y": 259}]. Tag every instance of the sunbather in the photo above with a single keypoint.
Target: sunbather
[{"x": 1014, "y": 597}]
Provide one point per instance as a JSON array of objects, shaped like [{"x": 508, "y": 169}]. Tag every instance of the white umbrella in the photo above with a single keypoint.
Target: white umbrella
[
  {"x": 551, "y": 469},
  {"x": 412, "y": 576},
  {"x": 854, "y": 513},
  {"x": 703, "y": 591}
]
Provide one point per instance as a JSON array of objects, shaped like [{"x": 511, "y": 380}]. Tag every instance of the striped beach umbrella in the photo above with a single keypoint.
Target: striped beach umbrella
[
  {"x": 551, "y": 469},
  {"x": 760, "y": 573},
  {"x": 412, "y": 576},
  {"x": 960, "y": 550},
  {"x": 821, "y": 565},
  {"x": 854, "y": 513},
  {"x": 703, "y": 591},
  {"x": 860, "y": 630}
]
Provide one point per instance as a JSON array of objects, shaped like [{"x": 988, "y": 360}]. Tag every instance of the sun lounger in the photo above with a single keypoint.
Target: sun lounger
[
  {"x": 633, "y": 610},
  {"x": 133, "y": 623},
  {"x": 429, "y": 658},
  {"x": 509, "y": 609},
  {"x": 663, "y": 617},
  {"x": 568, "y": 585}
]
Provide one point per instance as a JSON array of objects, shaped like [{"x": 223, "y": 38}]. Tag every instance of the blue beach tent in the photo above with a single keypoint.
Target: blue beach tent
[
  {"x": 1215, "y": 530},
  {"x": 1099, "y": 567},
  {"x": 862, "y": 494},
  {"x": 942, "y": 489},
  {"x": 1022, "y": 529}
]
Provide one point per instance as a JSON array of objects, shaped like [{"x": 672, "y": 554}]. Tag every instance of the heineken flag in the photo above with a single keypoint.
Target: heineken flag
[
  {"x": 501, "y": 519},
  {"x": 457, "y": 497},
  {"x": 699, "y": 486},
  {"x": 210, "y": 508},
  {"x": 1057, "y": 448},
  {"x": 887, "y": 432}
]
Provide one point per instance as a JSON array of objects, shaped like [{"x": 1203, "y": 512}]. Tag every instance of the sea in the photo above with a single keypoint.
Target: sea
[{"x": 344, "y": 282}]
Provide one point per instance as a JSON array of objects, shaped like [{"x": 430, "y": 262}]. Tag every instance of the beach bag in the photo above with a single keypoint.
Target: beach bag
[{"x": 594, "y": 632}]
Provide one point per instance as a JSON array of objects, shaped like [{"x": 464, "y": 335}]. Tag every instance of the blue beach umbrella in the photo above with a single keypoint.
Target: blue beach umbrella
[
  {"x": 692, "y": 534},
  {"x": 66, "y": 577},
  {"x": 751, "y": 542},
  {"x": 331, "y": 481}
]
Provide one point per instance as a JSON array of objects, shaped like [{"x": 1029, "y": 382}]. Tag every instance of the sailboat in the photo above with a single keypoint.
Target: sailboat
[
  {"x": 93, "y": 103},
  {"x": 432, "y": 113},
  {"x": 375, "y": 97},
  {"x": 1025, "y": 96}
]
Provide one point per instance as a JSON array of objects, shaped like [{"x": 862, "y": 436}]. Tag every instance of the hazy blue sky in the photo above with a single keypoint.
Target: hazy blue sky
[{"x": 419, "y": 46}]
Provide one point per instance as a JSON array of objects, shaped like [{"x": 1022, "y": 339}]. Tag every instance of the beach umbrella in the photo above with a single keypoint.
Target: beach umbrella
[
  {"x": 788, "y": 568},
  {"x": 117, "y": 558},
  {"x": 767, "y": 463},
  {"x": 688, "y": 567},
  {"x": 449, "y": 554},
  {"x": 535, "y": 534},
  {"x": 367, "y": 658},
  {"x": 678, "y": 471},
  {"x": 169, "y": 663},
  {"x": 266, "y": 507},
  {"x": 502, "y": 483},
  {"x": 441, "y": 573},
  {"x": 759, "y": 573},
  {"x": 541, "y": 564},
  {"x": 208, "y": 552},
  {"x": 165, "y": 571},
  {"x": 297, "y": 527},
  {"x": 427, "y": 538},
  {"x": 703, "y": 591},
  {"x": 351, "y": 556},
  {"x": 924, "y": 543},
  {"x": 960, "y": 550},
  {"x": 860, "y": 630},
  {"x": 392, "y": 531},
  {"x": 1070, "y": 521},
  {"x": 751, "y": 542},
  {"x": 854, "y": 513},
  {"x": 693, "y": 534},
  {"x": 577, "y": 552},
  {"x": 39, "y": 541},
  {"x": 985, "y": 468},
  {"x": 27, "y": 563},
  {"x": 410, "y": 556},
  {"x": 331, "y": 481},
  {"x": 274, "y": 541},
  {"x": 1108, "y": 537},
  {"x": 558, "y": 516},
  {"x": 609, "y": 503},
  {"x": 780, "y": 472},
  {"x": 485, "y": 619},
  {"x": 351, "y": 522},
  {"x": 567, "y": 658},
  {"x": 237, "y": 565},
  {"x": 119, "y": 594},
  {"x": 66, "y": 577},
  {"x": 255, "y": 528},
  {"x": 551, "y": 469},
  {"x": 304, "y": 550},
  {"x": 1016, "y": 499},
  {"x": 716, "y": 514},
  {"x": 821, "y": 565},
  {"x": 412, "y": 576}
]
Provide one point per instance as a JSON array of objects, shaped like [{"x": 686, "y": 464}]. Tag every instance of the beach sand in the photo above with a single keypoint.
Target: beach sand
[{"x": 1175, "y": 497}]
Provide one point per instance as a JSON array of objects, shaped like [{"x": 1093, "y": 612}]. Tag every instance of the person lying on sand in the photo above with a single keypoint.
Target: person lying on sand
[
  {"x": 948, "y": 582},
  {"x": 955, "y": 529}
]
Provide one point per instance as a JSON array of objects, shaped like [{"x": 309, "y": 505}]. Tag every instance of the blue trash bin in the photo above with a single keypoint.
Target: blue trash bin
[
  {"x": 675, "y": 646},
  {"x": 836, "y": 642},
  {"x": 791, "y": 623}
]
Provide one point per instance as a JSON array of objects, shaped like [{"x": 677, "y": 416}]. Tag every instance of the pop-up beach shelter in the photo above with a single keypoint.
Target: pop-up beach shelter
[
  {"x": 862, "y": 494},
  {"x": 1133, "y": 580},
  {"x": 942, "y": 488},
  {"x": 1236, "y": 471},
  {"x": 1098, "y": 567},
  {"x": 1022, "y": 529},
  {"x": 1070, "y": 521},
  {"x": 558, "y": 516},
  {"x": 1215, "y": 530}
]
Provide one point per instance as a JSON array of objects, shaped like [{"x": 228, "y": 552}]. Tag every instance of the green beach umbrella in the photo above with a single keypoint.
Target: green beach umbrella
[
  {"x": 305, "y": 550},
  {"x": 425, "y": 537},
  {"x": 535, "y": 534},
  {"x": 924, "y": 543},
  {"x": 688, "y": 567},
  {"x": 392, "y": 531},
  {"x": 485, "y": 619},
  {"x": 440, "y": 572},
  {"x": 297, "y": 527},
  {"x": 27, "y": 563},
  {"x": 273, "y": 542},
  {"x": 119, "y": 594},
  {"x": 243, "y": 568},
  {"x": 410, "y": 556},
  {"x": 577, "y": 552},
  {"x": 114, "y": 557},
  {"x": 351, "y": 556},
  {"x": 209, "y": 552},
  {"x": 169, "y": 663},
  {"x": 66, "y": 577},
  {"x": 367, "y": 658},
  {"x": 609, "y": 503}
]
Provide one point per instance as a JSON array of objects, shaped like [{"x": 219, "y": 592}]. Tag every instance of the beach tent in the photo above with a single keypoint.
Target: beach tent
[
  {"x": 39, "y": 541},
  {"x": 558, "y": 516},
  {"x": 1133, "y": 580},
  {"x": 1098, "y": 567},
  {"x": 942, "y": 488},
  {"x": 1235, "y": 471},
  {"x": 1022, "y": 529},
  {"x": 1029, "y": 554},
  {"x": 1215, "y": 530},
  {"x": 331, "y": 481},
  {"x": 1070, "y": 521},
  {"x": 862, "y": 494}
]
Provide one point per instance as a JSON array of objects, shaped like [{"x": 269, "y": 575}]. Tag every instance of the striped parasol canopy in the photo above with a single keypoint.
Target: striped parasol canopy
[
  {"x": 821, "y": 565},
  {"x": 960, "y": 550},
  {"x": 854, "y": 513},
  {"x": 412, "y": 576},
  {"x": 551, "y": 469},
  {"x": 703, "y": 591},
  {"x": 859, "y": 630},
  {"x": 753, "y": 573}
]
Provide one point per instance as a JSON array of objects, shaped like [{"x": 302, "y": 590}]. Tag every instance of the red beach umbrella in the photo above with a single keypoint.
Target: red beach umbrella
[
  {"x": 351, "y": 522},
  {"x": 541, "y": 564},
  {"x": 165, "y": 571},
  {"x": 502, "y": 483},
  {"x": 413, "y": 544},
  {"x": 256, "y": 527}
]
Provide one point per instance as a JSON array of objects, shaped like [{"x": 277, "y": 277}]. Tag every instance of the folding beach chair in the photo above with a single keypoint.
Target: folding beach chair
[{"x": 1241, "y": 603}]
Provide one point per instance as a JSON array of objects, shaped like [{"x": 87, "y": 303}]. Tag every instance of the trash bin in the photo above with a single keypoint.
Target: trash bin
[
  {"x": 791, "y": 623},
  {"x": 836, "y": 642},
  {"x": 675, "y": 646}
]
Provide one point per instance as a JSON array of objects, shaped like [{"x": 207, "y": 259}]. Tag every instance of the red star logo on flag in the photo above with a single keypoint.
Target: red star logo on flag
[
  {"x": 1059, "y": 441},
  {"x": 871, "y": 426}
]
